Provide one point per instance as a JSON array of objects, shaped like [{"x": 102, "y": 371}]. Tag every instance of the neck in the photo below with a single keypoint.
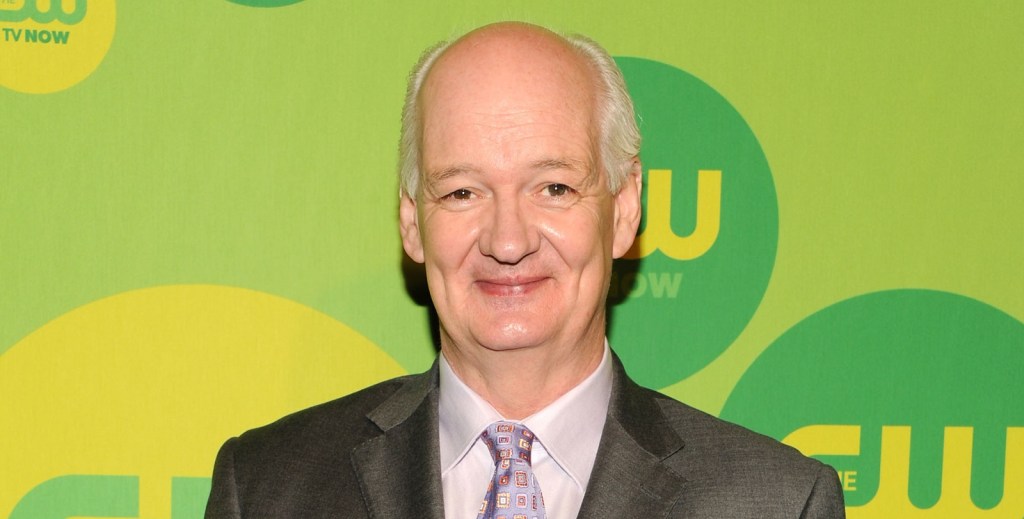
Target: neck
[{"x": 520, "y": 382}]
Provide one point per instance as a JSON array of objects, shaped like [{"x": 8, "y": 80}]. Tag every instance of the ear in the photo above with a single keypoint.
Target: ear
[
  {"x": 409, "y": 227},
  {"x": 628, "y": 209}
]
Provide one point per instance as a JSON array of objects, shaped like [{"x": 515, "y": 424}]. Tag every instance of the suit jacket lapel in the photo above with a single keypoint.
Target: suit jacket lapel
[
  {"x": 399, "y": 470},
  {"x": 629, "y": 478}
]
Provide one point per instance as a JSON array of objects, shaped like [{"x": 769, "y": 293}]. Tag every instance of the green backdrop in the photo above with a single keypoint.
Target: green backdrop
[{"x": 198, "y": 208}]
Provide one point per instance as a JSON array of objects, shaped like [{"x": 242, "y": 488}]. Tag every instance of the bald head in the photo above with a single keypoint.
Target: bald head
[
  {"x": 523, "y": 57},
  {"x": 515, "y": 47},
  {"x": 509, "y": 68}
]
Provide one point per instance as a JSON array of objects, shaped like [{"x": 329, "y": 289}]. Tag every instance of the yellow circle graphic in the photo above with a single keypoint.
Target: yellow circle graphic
[
  {"x": 150, "y": 383},
  {"x": 49, "y": 45}
]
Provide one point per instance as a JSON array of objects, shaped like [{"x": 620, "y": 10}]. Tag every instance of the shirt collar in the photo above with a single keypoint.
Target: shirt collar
[
  {"x": 462, "y": 416},
  {"x": 569, "y": 428}
]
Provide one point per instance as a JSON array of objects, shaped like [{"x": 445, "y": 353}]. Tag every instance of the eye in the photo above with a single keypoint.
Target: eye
[
  {"x": 458, "y": 194},
  {"x": 557, "y": 190}
]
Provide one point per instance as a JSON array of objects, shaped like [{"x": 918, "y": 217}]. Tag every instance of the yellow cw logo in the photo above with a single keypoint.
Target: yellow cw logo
[
  {"x": 891, "y": 499},
  {"x": 53, "y": 44},
  {"x": 658, "y": 233}
]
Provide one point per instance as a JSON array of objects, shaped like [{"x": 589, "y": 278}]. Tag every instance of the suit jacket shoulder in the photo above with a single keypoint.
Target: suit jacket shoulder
[
  {"x": 305, "y": 464},
  {"x": 696, "y": 465}
]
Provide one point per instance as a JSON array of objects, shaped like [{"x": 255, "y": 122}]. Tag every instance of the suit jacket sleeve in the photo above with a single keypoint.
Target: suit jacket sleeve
[
  {"x": 826, "y": 499},
  {"x": 223, "y": 503}
]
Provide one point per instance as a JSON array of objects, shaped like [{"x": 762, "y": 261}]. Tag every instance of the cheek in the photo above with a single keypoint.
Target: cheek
[
  {"x": 446, "y": 241},
  {"x": 579, "y": 241}
]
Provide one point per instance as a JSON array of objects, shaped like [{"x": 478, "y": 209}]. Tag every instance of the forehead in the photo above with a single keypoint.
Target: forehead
[{"x": 508, "y": 85}]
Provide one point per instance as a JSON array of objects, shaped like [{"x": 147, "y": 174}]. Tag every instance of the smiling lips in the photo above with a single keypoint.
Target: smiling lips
[{"x": 510, "y": 287}]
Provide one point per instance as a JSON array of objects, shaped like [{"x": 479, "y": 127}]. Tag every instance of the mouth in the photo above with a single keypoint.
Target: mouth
[{"x": 510, "y": 287}]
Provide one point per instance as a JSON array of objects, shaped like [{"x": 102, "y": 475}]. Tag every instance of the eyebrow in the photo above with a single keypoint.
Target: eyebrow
[
  {"x": 455, "y": 170},
  {"x": 451, "y": 171},
  {"x": 571, "y": 165}
]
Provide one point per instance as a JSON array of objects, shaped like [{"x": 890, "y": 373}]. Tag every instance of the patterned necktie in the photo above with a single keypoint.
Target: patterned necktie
[{"x": 513, "y": 492}]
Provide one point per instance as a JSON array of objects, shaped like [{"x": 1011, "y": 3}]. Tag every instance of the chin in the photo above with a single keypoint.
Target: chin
[{"x": 511, "y": 336}]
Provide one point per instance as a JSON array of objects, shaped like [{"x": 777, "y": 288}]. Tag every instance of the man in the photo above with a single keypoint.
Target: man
[{"x": 520, "y": 184}]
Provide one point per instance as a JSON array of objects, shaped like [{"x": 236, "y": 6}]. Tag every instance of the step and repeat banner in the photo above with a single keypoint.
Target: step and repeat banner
[{"x": 198, "y": 233}]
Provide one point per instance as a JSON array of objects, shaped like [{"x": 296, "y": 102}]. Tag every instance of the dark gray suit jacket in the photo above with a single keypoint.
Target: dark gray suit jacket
[{"x": 374, "y": 454}]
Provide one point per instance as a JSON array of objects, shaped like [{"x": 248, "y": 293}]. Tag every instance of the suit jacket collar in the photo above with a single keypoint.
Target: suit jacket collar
[
  {"x": 400, "y": 470},
  {"x": 630, "y": 478}
]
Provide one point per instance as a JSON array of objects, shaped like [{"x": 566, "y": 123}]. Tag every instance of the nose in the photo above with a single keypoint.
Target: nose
[{"x": 508, "y": 235}]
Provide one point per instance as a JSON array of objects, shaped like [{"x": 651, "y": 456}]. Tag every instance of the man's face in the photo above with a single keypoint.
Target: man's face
[{"x": 514, "y": 220}]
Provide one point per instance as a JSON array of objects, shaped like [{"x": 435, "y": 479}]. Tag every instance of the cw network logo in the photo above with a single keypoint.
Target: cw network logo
[
  {"x": 658, "y": 235},
  {"x": 51, "y": 45},
  {"x": 891, "y": 498}
]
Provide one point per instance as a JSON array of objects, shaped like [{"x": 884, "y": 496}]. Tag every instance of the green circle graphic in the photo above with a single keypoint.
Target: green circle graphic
[
  {"x": 265, "y": 3},
  {"x": 672, "y": 314},
  {"x": 915, "y": 360}
]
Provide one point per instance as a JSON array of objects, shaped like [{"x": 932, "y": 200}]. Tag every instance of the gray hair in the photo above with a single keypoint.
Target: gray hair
[{"x": 619, "y": 137}]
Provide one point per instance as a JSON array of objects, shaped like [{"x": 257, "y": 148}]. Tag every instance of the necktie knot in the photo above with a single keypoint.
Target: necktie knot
[{"x": 509, "y": 443}]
